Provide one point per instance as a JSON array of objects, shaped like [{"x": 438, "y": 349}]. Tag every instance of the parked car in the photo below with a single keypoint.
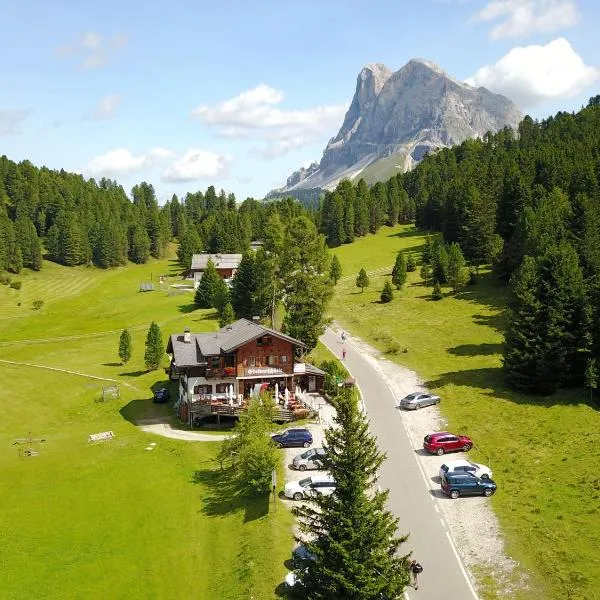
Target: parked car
[
  {"x": 161, "y": 395},
  {"x": 465, "y": 466},
  {"x": 301, "y": 555},
  {"x": 442, "y": 441},
  {"x": 465, "y": 484},
  {"x": 310, "y": 486},
  {"x": 311, "y": 459},
  {"x": 418, "y": 400},
  {"x": 291, "y": 438}
]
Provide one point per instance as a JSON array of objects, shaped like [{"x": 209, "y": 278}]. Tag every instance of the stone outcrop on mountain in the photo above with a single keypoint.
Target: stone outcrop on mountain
[{"x": 396, "y": 118}]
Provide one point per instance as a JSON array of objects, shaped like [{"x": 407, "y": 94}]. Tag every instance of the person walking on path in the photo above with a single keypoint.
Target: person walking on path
[
  {"x": 343, "y": 353},
  {"x": 415, "y": 569},
  {"x": 343, "y": 336}
]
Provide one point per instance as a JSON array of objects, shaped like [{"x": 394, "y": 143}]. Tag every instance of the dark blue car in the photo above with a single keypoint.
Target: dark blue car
[{"x": 292, "y": 438}]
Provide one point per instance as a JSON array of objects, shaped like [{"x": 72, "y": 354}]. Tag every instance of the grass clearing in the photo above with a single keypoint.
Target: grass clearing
[
  {"x": 543, "y": 450},
  {"x": 112, "y": 519}
]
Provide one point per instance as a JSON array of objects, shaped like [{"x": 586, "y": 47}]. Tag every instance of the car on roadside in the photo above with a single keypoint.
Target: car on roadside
[
  {"x": 441, "y": 442},
  {"x": 311, "y": 459},
  {"x": 318, "y": 484},
  {"x": 465, "y": 466},
  {"x": 301, "y": 555},
  {"x": 161, "y": 396},
  {"x": 418, "y": 400},
  {"x": 292, "y": 438},
  {"x": 455, "y": 485}
]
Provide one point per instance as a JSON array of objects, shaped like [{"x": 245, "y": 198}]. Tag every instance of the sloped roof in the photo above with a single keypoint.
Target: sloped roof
[
  {"x": 308, "y": 369},
  {"x": 221, "y": 261},
  {"x": 224, "y": 340}
]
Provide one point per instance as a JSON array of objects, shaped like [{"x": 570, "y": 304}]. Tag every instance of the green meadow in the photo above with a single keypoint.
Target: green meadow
[
  {"x": 544, "y": 450},
  {"x": 113, "y": 519}
]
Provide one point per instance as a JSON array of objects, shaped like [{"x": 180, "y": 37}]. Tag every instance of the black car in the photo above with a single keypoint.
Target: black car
[
  {"x": 291, "y": 438},
  {"x": 161, "y": 395}
]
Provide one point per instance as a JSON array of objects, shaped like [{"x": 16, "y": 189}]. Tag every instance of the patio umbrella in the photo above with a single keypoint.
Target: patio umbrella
[
  {"x": 276, "y": 392},
  {"x": 230, "y": 393},
  {"x": 287, "y": 395}
]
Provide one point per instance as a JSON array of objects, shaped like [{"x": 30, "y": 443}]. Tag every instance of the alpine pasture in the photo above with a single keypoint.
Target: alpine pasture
[
  {"x": 543, "y": 450},
  {"x": 113, "y": 519}
]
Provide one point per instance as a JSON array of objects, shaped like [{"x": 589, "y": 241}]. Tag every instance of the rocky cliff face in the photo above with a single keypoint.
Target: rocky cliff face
[{"x": 403, "y": 115}]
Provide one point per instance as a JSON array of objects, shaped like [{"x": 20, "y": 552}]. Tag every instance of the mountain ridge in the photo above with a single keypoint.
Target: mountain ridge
[{"x": 407, "y": 113}]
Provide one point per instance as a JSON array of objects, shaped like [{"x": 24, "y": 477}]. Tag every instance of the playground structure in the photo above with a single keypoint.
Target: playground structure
[{"x": 29, "y": 441}]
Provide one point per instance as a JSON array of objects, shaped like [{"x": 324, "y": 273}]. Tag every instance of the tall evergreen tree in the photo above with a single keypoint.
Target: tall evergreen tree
[
  {"x": 399, "y": 271},
  {"x": 243, "y": 287},
  {"x": 226, "y": 316},
  {"x": 335, "y": 270},
  {"x": 155, "y": 349},
  {"x": 351, "y": 533},
  {"x": 456, "y": 267},
  {"x": 125, "y": 348},
  {"x": 205, "y": 293}
]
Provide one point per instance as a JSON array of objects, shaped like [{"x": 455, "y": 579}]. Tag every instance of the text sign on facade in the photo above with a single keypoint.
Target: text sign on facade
[{"x": 264, "y": 371}]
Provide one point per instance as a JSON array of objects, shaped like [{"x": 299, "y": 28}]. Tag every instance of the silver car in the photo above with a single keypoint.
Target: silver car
[
  {"x": 311, "y": 459},
  {"x": 418, "y": 400}
]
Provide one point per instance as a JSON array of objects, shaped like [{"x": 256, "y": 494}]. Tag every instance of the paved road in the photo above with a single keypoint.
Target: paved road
[{"x": 410, "y": 498}]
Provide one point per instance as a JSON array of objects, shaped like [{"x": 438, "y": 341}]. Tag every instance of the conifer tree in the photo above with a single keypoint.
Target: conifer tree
[
  {"x": 351, "y": 533},
  {"x": 243, "y": 287},
  {"x": 456, "y": 266},
  {"x": 205, "y": 293},
  {"x": 335, "y": 271},
  {"x": 426, "y": 273},
  {"x": 125, "y": 348},
  {"x": 362, "y": 280},
  {"x": 226, "y": 315},
  {"x": 154, "y": 348},
  {"x": 411, "y": 264},
  {"x": 387, "y": 294},
  {"x": 221, "y": 295},
  {"x": 436, "y": 293},
  {"x": 399, "y": 271}
]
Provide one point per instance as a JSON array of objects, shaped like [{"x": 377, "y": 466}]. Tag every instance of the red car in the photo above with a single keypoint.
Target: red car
[{"x": 442, "y": 441}]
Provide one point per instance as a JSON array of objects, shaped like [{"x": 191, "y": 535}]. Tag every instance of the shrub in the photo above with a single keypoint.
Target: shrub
[
  {"x": 37, "y": 304},
  {"x": 16, "y": 285},
  {"x": 387, "y": 294},
  {"x": 437, "y": 292},
  {"x": 411, "y": 264},
  {"x": 4, "y": 279}
]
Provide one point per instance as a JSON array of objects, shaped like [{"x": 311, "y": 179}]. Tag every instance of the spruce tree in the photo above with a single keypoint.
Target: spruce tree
[
  {"x": 387, "y": 294},
  {"x": 154, "y": 348},
  {"x": 125, "y": 348},
  {"x": 205, "y": 294},
  {"x": 426, "y": 273},
  {"x": 221, "y": 295},
  {"x": 411, "y": 264},
  {"x": 335, "y": 270},
  {"x": 436, "y": 293},
  {"x": 362, "y": 280},
  {"x": 399, "y": 271},
  {"x": 243, "y": 287},
  {"x": 226, "y": 315},
  {"x": 351, "y": 533},
  {"x": 456, "y": 266}
]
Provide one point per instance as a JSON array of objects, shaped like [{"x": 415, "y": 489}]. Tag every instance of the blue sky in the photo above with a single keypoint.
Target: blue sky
[{"x": 239, "y": 94}]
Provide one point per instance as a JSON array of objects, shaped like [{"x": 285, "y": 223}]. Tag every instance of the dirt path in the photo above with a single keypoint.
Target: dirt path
[{"x": 166, "y": 430}]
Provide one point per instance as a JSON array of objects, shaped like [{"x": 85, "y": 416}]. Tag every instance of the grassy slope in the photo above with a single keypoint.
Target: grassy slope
[
  {"x": 112, "y": 519},
  {"x": 544, "y": 451}
]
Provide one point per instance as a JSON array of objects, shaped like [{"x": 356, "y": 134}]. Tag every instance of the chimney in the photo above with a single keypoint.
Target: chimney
[
  {"x": 187, "y": 336},
  {"x": 256, "y": 319},
  {"x": 229, "y": 328}
]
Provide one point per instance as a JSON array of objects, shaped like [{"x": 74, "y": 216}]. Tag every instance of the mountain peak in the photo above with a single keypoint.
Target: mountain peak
[{"x": 395, "y": 118}]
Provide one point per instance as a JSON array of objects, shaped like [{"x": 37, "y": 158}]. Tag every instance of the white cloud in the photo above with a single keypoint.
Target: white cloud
[
  {"x": 121, "y": 162},
  {"x": 11, "y": 121},
  {"x": 254, "y": 114},
  {"x": 197, "y": 165},
  {"x": 106, "y": 108},
  {"x": 91, "y": 50},
  {"x": 533, "y": 74},
  {"x": 519, "y": 18}
]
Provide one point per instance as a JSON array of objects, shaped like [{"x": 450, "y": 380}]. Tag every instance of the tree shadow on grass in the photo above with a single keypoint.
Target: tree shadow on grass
[
  {"x": 187, "y": 308},
  {"x": 221, "y": 496},
  {"x": 112, "y": 364},
  {"x": 132, "y": 374},
  {"x": 490, "y": 382},
  {"x": 412, "y": 232},
  {"x": 476, "y": 349}
]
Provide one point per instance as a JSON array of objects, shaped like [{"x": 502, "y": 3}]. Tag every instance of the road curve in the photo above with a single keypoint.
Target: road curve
[{"x": 410, "y": 498}]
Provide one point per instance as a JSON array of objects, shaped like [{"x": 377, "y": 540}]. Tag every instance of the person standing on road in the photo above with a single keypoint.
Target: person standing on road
[
  {"x": 343, "y": 353},
  {"x": 343, "y": 336},
  {"x": 415, "y": 569}
]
